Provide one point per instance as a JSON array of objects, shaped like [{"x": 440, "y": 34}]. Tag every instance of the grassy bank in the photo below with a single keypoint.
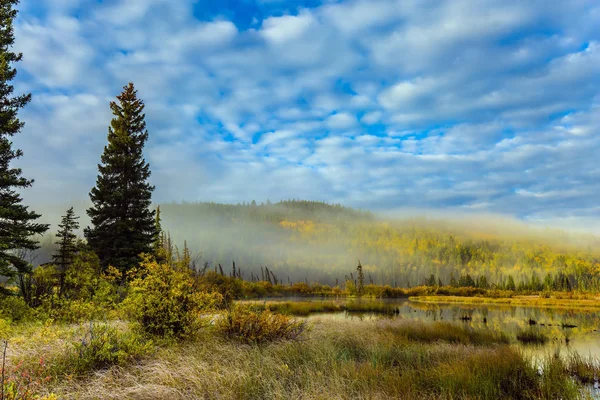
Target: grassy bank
[
  {"x": 342, "y": 360},
  {"x": 305, "y": 308},
  {"x": 529, "y": 301}
]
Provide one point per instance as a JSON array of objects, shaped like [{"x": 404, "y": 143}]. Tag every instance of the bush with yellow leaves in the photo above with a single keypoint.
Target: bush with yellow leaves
[
  {"x": 166, "y": 301},
  {"x": 256, "y": 327}
]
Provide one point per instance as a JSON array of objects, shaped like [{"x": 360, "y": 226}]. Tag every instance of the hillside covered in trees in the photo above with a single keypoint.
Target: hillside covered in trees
[{"x": 306, "y": 241}]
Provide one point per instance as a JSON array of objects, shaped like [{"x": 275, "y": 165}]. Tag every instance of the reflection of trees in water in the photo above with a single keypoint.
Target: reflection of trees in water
[
  {"x": 434, "y": 314},
  {"x": 508, "y": 319}
]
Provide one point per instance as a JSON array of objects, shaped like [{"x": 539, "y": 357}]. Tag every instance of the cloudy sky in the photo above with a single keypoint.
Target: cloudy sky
[{"x": 462, "y": 105}]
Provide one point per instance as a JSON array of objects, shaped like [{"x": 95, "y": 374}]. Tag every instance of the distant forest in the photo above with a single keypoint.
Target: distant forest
[{"x": 319, "y": 242}]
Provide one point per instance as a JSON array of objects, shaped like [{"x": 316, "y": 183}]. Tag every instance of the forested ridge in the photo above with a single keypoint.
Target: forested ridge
[{"x": 316, "y": 242}]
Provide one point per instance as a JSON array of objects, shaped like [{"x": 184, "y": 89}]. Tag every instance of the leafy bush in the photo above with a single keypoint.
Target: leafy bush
[
  {"x": 256, "y": 327},
  {"x": 14, "y": 308},
  {"x": 104, "y": 345},
  {"x": 71, "y": 311},
  {"x": 229, "y": 288},
  {"x": 166, "y": 301},
  {"x": 4, "y": 328}
]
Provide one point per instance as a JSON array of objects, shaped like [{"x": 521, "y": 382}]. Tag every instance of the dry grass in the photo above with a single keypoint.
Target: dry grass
[{"x": 335, "y": 360}]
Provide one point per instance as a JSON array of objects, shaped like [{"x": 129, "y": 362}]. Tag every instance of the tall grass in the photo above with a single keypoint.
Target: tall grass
[
  {"x": 336, "y": 360},
  {"x": 585, "y": 369}
]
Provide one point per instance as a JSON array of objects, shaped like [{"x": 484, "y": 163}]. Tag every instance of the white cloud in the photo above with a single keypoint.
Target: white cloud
[
  {"x": 341, "y": 121},
  {"x": 371, "y": 118},
  {"x": 279, "y": 30},
  {"x": 464, "y": 104}
]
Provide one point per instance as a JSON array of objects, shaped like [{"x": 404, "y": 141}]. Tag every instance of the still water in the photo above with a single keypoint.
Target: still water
[{"x": 569, "y": 330}]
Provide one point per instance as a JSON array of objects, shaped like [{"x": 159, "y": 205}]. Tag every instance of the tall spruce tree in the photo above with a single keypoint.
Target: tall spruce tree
[
  {"x": 17, "y": 222},
  {"x": 123, "y": 225},
  {"x": 67, "y": 246}
]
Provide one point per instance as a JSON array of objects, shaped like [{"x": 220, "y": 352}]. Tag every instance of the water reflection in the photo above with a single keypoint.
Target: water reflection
[{"x": 567, "y": 329}]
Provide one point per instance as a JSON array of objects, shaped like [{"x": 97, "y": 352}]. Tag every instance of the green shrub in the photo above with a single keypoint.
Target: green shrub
[
  {"x": 5, "y": 329},
  {"x": 14, "y": 308},
  {"x": 166, "y": 301},
  {"x": 229, "y": 288},
  {"x": 104, "y": 345},
  {"x": 256, "y": 327},
  {"x": 71, "y": 311}
]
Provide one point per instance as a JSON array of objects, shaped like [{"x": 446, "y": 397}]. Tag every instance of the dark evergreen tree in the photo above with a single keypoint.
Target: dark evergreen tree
[
  {"x": 67, "y": 247},
  {"x": 453, "y": 282},
  {"x": 159, "y": 245},
  {"x": 360, "y": 284},
  {"x": 430, "y": 281},
  {"x": 483, "y": 283},
  {"x": 510, "y": 285},
  {"x": 123, "y": 225},
  {"x": 17, "y": 222}
]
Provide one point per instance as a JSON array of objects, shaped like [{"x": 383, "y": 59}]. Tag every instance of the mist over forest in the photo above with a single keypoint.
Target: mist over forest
[{"x": 317, "y": 242}]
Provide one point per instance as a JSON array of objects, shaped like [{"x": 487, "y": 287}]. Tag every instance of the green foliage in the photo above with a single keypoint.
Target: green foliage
[
  {"x": 67, "y": 247},
  {"x": 351, "y": 288},
  {"x": 255, "y": 327},
  {"x": 5, "y": 328},
  {"x": 166, "y": 301},
  {"x": 14, "y": 308},
  {"x": 87, "y": 292},
  {"x": 37, "y": 287},
  {"x": 123, "y": 225},
  {"x": 511, "y": 283},
  {"x": 18, "y": 224},
  {"x": 104, "y": 345},
  {"x": 229, "y": 288}
]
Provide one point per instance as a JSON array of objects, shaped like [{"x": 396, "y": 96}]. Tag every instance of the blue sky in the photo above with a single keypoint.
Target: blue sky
[{"x": 462, "y": 106}]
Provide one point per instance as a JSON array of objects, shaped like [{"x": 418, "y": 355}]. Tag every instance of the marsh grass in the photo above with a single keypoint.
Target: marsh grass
[
  {"x": 335, "y": 360},
  {"x": 585, "y": 369}
]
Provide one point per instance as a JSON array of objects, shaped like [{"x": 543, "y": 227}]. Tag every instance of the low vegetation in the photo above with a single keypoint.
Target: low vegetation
[
  {"x": 256, "y": 327},
  {"x": 165, "y": 300},
  {"x": 368, "y": 359}
]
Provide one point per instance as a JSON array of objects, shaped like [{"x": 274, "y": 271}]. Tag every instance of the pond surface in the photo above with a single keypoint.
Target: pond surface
[{"x": 567, "y": 329}]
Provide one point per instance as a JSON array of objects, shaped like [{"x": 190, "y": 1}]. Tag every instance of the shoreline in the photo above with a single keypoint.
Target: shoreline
[{"x": 526, "y": 301}]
